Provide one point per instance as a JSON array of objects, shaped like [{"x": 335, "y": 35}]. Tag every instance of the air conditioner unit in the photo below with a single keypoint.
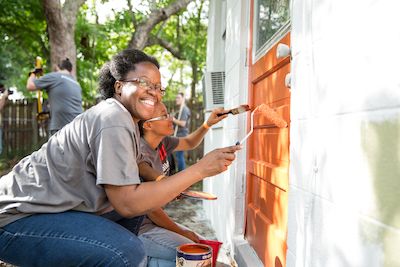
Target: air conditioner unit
[{"x": 213, "y": 89}]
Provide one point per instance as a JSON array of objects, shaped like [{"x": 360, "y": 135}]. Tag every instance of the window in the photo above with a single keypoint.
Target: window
[{"x": 271, "y": 17}]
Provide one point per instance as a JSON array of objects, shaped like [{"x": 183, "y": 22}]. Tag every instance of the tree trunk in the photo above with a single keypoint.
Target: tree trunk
[
  {"x": 195, "y": 63},
  {"x": 141, "y": 34},
  {"x": 194, "y": 79},
  {"x": 61, "y": 22}
]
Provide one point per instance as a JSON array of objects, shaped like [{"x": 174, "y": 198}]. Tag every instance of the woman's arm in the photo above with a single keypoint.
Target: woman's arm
[
  {"x": 179, "y": 122},
  {"x": 194, "y": 139},
  {"x": 160, "y": 218},
  {"x": 133, "y": 200},
  {"x": 30, "y": 85},
  {"x": 147, "y": 172}
]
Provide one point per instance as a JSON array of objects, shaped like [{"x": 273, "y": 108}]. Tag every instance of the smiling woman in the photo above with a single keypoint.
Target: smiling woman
[{"x": 77, "y": 196}]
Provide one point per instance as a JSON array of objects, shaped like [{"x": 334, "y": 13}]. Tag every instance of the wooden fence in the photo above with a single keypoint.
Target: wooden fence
[{"x": 23, "y": 133}]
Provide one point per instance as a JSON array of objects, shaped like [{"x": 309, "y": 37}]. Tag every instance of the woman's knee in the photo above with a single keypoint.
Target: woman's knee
[{"x": 131, "y": 253}]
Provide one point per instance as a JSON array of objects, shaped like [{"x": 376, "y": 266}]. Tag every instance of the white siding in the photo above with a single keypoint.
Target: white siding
[
  {"x": 345, "y": 133},
  {"x": 227, "y": 213}
]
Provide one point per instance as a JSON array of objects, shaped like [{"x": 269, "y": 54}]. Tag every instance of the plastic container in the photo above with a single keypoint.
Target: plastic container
[{"x": 215, "y": 245}]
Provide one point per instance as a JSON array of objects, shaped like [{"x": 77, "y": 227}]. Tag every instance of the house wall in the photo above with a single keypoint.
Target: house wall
[
  {"x": 227, "y": 212},
  {"x": 345, "y": 131},
  {"x": 345, "y": 134}
]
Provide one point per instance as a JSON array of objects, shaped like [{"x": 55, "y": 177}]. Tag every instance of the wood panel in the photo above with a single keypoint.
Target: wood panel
[{"x": 268, "y": 160}]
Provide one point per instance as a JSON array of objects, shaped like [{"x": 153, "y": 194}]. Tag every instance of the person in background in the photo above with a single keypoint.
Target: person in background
[
  {"x": 3, "y": 101},
  {"x": 65, "y": 94},
  {"x": 181, "y": 120},
  {"x": 52, "y": 201},
  {"x": 159, "y": 233}
]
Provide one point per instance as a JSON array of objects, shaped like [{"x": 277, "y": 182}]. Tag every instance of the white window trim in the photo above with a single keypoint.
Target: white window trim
[{"x": 271, "y": 42}]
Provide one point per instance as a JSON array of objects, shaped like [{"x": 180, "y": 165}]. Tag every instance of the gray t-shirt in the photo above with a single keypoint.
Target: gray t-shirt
[
  {"x": 158, "y": 159},
  {"x": 185, "y": 116},
  {"x": 65, "y": 98},
  {"x": 100, "y": 146}
]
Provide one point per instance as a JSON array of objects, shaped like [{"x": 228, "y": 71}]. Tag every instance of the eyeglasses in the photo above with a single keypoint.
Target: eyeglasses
[
  {"x": 147, "y": 85},
  {"x": 161, "y": 118}
]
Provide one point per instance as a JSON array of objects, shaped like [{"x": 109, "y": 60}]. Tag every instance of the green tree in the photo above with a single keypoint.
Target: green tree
[
  {"x": 184, "y": 35},
  {"x": 175, "y": 35},
  {"x": 22, "y": 37},
  {"x": 96, "y": 42}
]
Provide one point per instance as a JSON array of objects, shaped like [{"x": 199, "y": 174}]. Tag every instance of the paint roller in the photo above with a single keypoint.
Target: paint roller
[{"x": 270, "y": 114}]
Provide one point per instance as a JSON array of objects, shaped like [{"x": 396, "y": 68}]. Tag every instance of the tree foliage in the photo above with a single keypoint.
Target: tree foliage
[
  {"x": 22, "y": 37},
  {"x": 178, "y": 41}
]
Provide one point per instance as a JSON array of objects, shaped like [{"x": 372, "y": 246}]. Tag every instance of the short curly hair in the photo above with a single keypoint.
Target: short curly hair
[
  {"x": 118, "y": 67},
  {"x": 65, "y": 64}
]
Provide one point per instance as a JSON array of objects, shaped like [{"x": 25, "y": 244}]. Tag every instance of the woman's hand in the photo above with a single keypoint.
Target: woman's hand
[
  {"x": 217, "y": 160},
  {"x": 213, "y": 119},
  {"x": 191, "y": 235}
]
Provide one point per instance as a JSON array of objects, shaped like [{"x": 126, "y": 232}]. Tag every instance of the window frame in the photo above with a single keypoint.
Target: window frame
[{"x": 279, "y": 34}]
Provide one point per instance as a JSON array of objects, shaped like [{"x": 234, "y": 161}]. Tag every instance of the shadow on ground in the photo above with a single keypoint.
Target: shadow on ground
[{"x": 190, "y": 213}]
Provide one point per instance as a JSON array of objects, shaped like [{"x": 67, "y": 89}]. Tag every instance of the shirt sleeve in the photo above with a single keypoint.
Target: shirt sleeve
[
  {"x": 185, "y": 115},
  {"x": 46, "y": 81},
  {"x": 115, "y": 157},
  {"x": 146, "y": 157},
  {"x": 141, "y": 157},
  {"x": 170, "y": 143}
]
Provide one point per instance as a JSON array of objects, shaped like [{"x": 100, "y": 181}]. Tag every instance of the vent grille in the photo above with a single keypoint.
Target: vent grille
[
  {"x": 213, "y": 89},
  {"x": 217, "y": 87}
]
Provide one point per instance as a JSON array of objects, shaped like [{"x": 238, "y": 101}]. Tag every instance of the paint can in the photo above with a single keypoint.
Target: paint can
[{"x": 194, "y": 255}]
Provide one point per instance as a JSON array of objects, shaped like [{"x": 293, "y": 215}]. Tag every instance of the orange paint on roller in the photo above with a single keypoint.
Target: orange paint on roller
[
  {"x": 272, "y": 115},
  {"x": 268, "y": 112}
]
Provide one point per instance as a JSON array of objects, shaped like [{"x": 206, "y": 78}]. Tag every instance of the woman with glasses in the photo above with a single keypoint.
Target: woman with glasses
[
  {"x": 52, "y": 201},
  {"x": 159, "y": 234}
]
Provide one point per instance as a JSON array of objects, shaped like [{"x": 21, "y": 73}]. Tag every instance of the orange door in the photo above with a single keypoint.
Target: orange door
[{"x": 268, "y": 160}]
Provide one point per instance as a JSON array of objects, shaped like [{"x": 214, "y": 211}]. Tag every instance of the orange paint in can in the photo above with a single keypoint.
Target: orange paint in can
[{"x": 194, "y": 255}]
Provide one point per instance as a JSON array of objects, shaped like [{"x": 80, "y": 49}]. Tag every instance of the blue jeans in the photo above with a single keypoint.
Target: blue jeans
[
  {"x": 69, "y": 238},
  {"x": 180, "y": 157},
  {"x": 160, "y": 246}
]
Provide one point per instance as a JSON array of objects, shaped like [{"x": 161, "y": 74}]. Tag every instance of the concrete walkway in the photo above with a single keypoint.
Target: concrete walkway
[{"x": 189, "y": 212}]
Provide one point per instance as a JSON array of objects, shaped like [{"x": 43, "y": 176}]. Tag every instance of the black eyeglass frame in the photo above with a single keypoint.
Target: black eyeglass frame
[{"x": 146, "y": 85}]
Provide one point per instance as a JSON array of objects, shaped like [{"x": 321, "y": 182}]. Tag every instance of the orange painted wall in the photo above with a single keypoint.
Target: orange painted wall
[{"x": 268, "y": 160}]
